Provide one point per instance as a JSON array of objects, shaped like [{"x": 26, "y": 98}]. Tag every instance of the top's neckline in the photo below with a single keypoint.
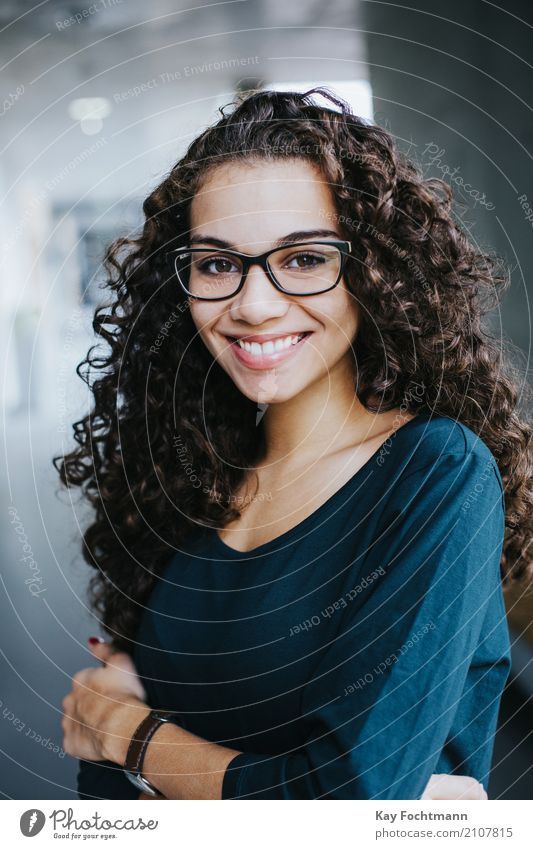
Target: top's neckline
[{"x": 283, "y": 538}]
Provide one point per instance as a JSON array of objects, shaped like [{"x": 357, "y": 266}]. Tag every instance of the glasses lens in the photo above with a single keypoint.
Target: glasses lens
[
  {"x": 306, "y": 269},
  {"x": 209, "y": 273}
]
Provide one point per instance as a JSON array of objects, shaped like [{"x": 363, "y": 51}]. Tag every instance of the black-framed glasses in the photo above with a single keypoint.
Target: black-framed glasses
[{"x": 301, "y": 268}]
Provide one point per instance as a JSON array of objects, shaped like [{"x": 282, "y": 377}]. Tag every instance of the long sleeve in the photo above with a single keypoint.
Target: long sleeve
[
  {"x": 381, "y": 703},
  {"x": 104, "y": 780}
]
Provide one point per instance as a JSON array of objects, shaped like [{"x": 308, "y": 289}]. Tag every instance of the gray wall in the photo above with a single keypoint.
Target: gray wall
[{"x": 457, "y": 93}]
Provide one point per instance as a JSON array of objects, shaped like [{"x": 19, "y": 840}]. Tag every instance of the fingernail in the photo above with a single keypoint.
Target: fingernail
[{"x": 94, "y": 640}]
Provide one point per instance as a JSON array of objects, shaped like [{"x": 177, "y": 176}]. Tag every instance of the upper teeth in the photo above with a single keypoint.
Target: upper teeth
[{"x": 269, "y": 347}]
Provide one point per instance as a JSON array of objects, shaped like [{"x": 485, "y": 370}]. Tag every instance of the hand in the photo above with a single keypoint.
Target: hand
[
  {"x": 97, "y": 697},
  {"x": 454, "y": 787}
]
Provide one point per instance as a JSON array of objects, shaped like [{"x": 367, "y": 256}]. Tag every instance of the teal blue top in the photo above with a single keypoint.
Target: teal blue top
[{"x": 357, "y": 653}]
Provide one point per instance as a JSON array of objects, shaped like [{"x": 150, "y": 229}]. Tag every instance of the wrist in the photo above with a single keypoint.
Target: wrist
[
  {"x": 121, "y": 723},
  {"x": 134, "y": 766}
]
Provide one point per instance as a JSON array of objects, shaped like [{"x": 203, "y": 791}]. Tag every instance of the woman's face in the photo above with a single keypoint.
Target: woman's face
[{"x": 250, "y": 207}]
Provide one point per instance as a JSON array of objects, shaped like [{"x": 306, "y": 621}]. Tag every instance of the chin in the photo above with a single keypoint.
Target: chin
[{"x": 264, "y": 394}]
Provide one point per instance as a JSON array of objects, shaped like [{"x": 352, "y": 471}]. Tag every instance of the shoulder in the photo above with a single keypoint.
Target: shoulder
[
  {"x": 442, "y": 483},
  {"x": 428, "y": 441}
]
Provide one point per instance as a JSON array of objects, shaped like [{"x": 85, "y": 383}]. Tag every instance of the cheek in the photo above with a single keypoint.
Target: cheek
[
  {"x": 343, "y": 320},
  {"x": 198, "y": 316},
  {"x": 203, "y": 317}
]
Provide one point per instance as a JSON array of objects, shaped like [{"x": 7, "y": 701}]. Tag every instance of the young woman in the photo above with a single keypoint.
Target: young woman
[{"x": 309, "y": 476}]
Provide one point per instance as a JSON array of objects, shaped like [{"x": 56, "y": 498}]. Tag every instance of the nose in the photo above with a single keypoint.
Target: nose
[{"x": 258, "y": 299}]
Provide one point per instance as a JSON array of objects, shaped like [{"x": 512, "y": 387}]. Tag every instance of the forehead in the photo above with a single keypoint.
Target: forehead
[{"x": 256, "y": 202}]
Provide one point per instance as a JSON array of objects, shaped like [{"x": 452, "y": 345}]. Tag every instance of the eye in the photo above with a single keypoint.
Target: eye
[
  {"x": 305, "y": 260},
  {"x": 218, "y": 265}
]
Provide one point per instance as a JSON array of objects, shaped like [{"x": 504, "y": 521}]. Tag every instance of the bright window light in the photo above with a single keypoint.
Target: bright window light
[
  {"x": 358, "y": 93},
  {"x": 90, "y": 112}
]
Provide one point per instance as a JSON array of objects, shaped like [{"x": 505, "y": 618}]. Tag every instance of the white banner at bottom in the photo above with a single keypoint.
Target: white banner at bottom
[{"x": 267, "y": 824}]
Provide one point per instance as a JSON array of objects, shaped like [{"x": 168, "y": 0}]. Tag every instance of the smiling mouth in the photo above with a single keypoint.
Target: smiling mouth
[
  {"x": 270, "y": 353},
  {"x": 271, "y": 346}
]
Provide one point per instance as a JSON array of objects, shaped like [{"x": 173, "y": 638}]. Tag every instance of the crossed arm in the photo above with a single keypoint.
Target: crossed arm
[{"x": 106, "y": 705}]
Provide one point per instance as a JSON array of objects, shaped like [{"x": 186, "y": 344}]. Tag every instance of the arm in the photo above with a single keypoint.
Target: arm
[
  {"x": 105, "y": 779},
  {"x": 102, "y": 712},
  {"x": 178, "y": 763},
  {"x": 184, "y": 766}
]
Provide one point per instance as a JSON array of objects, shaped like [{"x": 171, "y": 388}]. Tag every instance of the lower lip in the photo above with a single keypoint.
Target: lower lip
[{"x": 265, "y": 360}]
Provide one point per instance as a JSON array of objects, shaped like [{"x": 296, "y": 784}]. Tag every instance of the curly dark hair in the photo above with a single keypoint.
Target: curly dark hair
[{"x": 170, "y": 437}]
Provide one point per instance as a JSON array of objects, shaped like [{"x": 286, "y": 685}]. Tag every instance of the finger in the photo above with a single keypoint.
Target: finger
[
  {"x": 441, "y": 787},
  {"x": 473, "y": 789},
  {"x": 120, "y": 662},
  {"x": 80, "y": 677},
  {"x": 101, "y": 649},
  {"x": 107, "y": 653},
  {"x": 454, "y": 787},
  {"x": 468, "y": 788}
]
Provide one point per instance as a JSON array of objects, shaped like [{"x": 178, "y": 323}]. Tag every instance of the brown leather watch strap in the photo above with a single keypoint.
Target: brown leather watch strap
[{"x": 142, "y": 736}]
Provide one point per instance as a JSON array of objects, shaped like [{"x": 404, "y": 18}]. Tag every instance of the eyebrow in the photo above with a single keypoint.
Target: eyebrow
[{"x": 297, "y": 236}]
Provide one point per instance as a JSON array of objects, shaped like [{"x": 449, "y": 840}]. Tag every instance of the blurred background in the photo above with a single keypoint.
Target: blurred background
[{"x": 98, "y": 100}]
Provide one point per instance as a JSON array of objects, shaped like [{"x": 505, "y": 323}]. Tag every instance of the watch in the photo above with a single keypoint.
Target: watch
[{"x": 139, "y": 743}]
